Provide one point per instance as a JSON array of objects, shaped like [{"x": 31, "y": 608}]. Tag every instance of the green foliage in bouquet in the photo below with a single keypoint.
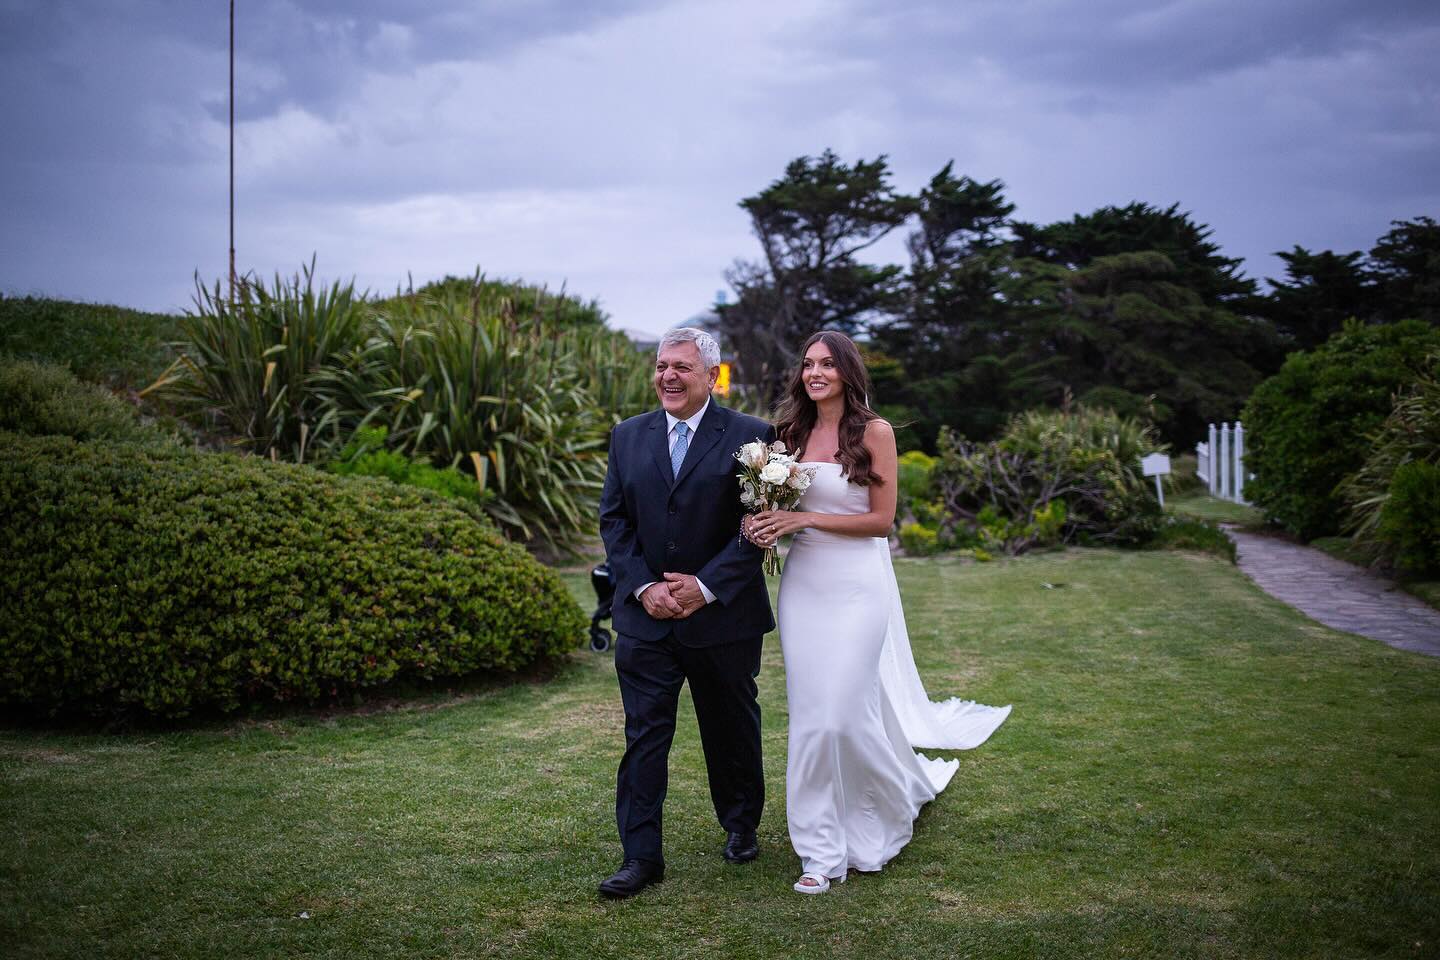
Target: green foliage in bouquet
[
  {"x": 166, "y": 581},
  {"x": 1309, "y": 426}
]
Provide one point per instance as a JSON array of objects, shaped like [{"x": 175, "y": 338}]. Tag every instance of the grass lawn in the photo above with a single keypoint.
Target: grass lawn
[
  {"x": 1192, "y": 770},
  {"x": 1206, "y": 507}
]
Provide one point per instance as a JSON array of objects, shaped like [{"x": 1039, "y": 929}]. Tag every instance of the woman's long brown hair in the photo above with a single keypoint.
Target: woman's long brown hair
[{"x": 797, "y": 413}]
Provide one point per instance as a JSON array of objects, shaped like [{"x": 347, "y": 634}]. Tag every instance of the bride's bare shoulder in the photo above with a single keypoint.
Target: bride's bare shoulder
[{"x": 879, "y": 429}]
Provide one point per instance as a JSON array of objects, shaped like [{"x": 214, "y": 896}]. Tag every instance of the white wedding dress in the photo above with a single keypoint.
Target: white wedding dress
[{"x": 854, "y": 783}]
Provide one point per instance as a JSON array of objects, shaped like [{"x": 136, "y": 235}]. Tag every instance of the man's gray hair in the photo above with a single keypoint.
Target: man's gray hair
[{"x": 709, "y": 349}]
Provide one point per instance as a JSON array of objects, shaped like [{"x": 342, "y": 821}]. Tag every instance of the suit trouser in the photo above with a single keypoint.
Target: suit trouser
[{"x": 722, "y": 684}]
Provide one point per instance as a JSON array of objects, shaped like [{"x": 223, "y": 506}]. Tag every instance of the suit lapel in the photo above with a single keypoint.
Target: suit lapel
[
  {"x": 711, "y": 429},
  {"x": 659, "y": 443}
]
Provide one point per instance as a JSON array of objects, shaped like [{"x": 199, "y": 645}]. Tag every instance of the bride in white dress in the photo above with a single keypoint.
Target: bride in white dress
[{"x": 854, "y": 783}]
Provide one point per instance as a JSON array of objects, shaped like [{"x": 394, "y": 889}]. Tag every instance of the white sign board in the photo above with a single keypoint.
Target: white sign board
[{"x": 1153, "y": 466}]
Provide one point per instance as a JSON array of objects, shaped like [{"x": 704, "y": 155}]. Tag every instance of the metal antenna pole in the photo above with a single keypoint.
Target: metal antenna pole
[{"x": 232, "y": 152}]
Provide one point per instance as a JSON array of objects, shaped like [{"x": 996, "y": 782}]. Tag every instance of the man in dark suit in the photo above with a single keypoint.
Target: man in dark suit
[{"x": 690, "y": 604}]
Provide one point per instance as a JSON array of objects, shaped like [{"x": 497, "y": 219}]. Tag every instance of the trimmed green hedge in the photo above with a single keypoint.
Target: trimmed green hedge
[{"x": 159, "y": 579}]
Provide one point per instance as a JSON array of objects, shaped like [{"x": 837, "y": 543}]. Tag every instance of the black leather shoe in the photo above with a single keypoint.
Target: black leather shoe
[
  {"x": 741, "y": 846},
  {"x": 632, "y": 877}
]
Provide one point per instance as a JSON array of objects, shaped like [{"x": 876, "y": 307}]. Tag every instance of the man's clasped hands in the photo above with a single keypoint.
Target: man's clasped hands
[{"x": 674, "y": 598}]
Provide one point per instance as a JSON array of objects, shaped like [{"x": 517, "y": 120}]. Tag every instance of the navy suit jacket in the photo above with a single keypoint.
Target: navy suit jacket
[{"x": 653, "y": 524}]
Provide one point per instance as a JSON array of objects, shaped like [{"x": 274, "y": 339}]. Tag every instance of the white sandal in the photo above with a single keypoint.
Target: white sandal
[{"x": 821, "y": 884}]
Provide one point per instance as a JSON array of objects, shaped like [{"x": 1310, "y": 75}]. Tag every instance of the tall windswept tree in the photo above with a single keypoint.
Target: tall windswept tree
[
  {"x": 951, "y": 334},
  {"x": 1137, "y": 228},
  {"x": 1406, "y": 265},
  {"x": 812, "y": 224},
  {"x": 1319, "y": 293},
  {"x": 1135, "y": 308}
]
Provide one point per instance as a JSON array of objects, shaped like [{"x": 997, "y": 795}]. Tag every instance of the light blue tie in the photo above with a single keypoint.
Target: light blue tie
[{"x": 682, "y": 444}]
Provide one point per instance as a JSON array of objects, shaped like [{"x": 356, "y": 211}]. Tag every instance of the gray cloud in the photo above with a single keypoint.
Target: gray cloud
[{"x": 606, "y": 144}]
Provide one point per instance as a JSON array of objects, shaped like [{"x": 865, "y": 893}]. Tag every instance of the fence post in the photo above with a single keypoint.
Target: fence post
[
  {"x": 1210, "y": 473},
  {"x": 1239, "y": 463},
  {"x": 1224, "y": 461}
]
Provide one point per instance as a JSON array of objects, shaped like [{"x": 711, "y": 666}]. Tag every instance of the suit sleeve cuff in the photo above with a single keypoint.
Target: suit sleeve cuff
[
  {"x": 646, "y": 586},
  {"x": 704, "y": 590}
]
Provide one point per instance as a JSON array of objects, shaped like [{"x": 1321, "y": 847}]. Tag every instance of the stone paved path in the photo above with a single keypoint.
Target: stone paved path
[{"x": 1338, "y": 594}]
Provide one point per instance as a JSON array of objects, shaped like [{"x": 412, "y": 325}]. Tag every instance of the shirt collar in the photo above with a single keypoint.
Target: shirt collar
[{"x": 692, "y": 422}]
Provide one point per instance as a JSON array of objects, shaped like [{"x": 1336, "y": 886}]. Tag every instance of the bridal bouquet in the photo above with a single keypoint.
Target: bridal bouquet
[{"x": 770, "y": 479}]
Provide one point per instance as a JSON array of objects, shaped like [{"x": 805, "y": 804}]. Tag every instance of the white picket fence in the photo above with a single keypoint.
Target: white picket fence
[{"x": 1224, "y": 474}]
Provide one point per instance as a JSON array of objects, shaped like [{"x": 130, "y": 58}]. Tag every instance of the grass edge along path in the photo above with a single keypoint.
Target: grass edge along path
[{"x": 1192, "y": 769}]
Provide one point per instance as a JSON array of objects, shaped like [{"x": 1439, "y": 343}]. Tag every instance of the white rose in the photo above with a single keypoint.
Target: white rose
[
  {"x": 775, "y": 473},
  {"x": 778, "y": 446},
  {"x": 747, "y": 497}
]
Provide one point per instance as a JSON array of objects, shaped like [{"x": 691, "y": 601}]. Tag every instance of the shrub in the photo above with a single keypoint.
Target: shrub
[
  {"x": 365, "y": 456},
  {"x": 1409, "y": 528},
  {"x": 1184, "y": 475},
  {"x": 1190, "y": 533},
  {"x": 1053, "y": 477},
  {"x": 1308, "y": 426},
  {"x": 43, "y": 399},
  {"x": 913, "y": 493},
  {"x": 259, "y": 365},
  {"x": 97, "y": 342},
  {"x": 918, "y": 540},
  {"x": 1410, "y": 434},
  {"x": 915, "y": 468},
  {"x": 510, "y": 384},
  {"x": 167, "y": 581},
  {"x": 503, "y": 400}
]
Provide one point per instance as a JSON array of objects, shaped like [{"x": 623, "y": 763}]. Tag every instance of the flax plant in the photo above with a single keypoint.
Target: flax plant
[
  {"x": 1411, "y": 433},
  {"x": 468, "y": 384},
  {"x": 257, "y": 366}
]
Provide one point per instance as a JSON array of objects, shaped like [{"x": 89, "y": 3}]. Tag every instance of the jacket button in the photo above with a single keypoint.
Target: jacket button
[
  {"x": 673, "y": 511},
  {"x": 670, "y": 546}
]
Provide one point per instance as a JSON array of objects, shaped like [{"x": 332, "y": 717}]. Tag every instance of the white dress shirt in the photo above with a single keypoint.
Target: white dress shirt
[{"x": 692, "y": 423}]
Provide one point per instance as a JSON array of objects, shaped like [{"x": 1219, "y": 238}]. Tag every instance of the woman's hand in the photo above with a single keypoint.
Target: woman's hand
[{"x": 767, "y": 527}]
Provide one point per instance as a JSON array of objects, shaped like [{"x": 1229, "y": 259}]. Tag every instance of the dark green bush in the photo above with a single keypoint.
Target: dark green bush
[
  {"x": 1191, "y": 533},
  {"x": 1410, "y": 434},
  {"x": 166, "y": 581},
  {"x": 1054, "y": 476},
  {"x": 366, "y": 456},
  {"x": 1410, "y": 519},
  {"x": 42, "y": 399},
  {"x": 1309, "y": 426}
]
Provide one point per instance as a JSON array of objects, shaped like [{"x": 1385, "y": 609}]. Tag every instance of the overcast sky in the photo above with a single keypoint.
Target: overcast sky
[{"x": 604, "y": 144}]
